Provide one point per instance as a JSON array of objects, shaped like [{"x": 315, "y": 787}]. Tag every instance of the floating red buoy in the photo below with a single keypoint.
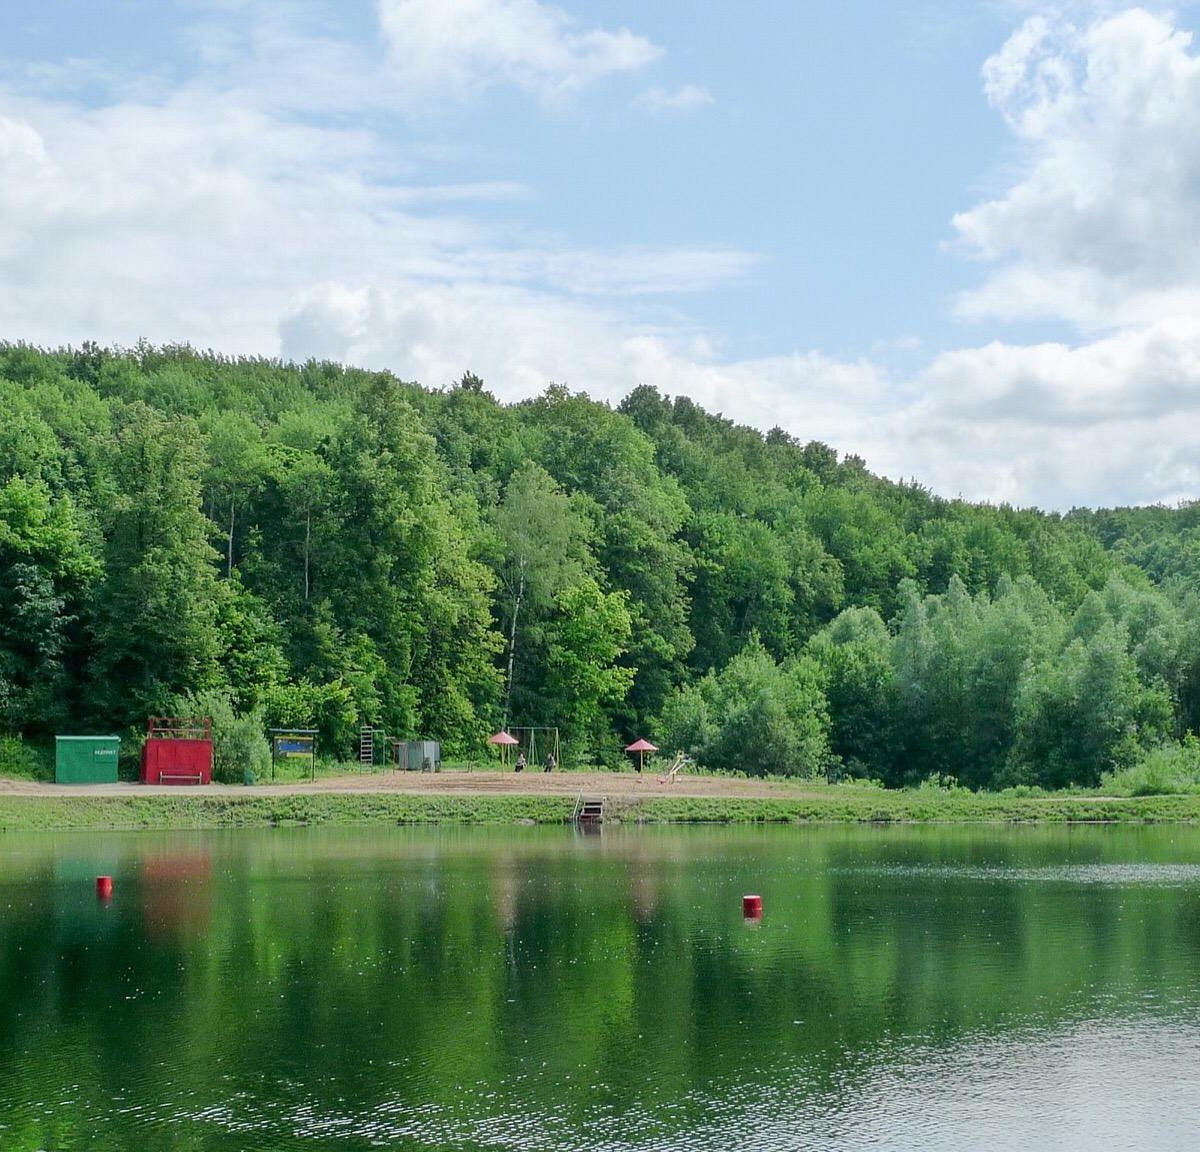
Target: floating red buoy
[
  {"x": 104, "y": 887},
  {"x": 752, "y": 907}
]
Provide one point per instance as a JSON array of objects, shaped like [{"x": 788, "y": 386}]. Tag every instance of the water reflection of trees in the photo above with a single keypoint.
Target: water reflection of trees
[{"x": 580, "y": 977}]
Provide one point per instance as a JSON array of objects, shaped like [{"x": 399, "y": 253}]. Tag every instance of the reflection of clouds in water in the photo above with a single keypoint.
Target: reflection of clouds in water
[
  {"x": 1157, "y": 875},
  {"x": 1127, "y": 1084}
]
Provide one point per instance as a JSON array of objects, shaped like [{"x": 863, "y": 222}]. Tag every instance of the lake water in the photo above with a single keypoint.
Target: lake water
[{"x": 916, "y": 988}]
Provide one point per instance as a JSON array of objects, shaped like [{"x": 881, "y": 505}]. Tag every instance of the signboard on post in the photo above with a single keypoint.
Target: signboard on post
[{"x": 294, "y": 744}]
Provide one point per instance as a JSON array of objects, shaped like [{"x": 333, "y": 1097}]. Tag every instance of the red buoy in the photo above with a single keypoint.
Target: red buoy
[
  {"x": 104, "y": 887},
  {"x": 752, "y": 907}
]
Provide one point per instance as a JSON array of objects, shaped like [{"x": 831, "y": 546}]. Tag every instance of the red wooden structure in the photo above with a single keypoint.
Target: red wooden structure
[{"x": 178, "y": 750}]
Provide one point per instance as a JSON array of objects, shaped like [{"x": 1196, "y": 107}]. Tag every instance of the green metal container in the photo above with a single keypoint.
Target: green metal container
[{"x": 86, "y": 759}]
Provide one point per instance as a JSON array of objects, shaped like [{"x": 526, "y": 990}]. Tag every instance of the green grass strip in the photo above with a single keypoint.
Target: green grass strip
[
  {"x": 250, "y": 811},
  {"x": 835, "y": 805}
]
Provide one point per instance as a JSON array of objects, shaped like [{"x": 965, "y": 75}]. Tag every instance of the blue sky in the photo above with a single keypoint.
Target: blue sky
[{"x": 959, "y": 239}]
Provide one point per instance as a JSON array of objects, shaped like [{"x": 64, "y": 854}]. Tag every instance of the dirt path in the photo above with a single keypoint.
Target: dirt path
[{"x": 625, "y": 784}]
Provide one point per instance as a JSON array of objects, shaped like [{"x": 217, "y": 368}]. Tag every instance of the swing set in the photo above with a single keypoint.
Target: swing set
[{"x": 539, "y": 738}]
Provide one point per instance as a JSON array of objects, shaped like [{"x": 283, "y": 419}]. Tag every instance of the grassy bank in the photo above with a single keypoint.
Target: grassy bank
[
  {"x": 838, "y": 804},
  {"x": 250, "y": 810}
]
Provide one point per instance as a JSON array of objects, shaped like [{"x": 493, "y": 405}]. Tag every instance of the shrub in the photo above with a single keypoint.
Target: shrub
[
  {"x": 753, "y": 716},
  {"x": 239, "y": 742},
  {"x": 24, "y": 760},
  {"x": 1167, "y": 769},
  {"x": 939, "y": 782}
]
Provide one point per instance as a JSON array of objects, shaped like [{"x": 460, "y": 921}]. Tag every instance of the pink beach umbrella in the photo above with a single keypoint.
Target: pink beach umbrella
[
  {"x": 641, "y": 747},
  {"x": 505, "y": 741}
]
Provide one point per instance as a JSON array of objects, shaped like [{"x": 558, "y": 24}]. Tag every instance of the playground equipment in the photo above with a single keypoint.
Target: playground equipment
[
  {"x": 677, "y": 765},
  {"x": 540, "y": 745}
]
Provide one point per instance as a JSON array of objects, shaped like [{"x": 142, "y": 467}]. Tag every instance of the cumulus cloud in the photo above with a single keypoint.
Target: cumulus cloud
[
  {"x": 1103, "y": 226},
  {"x": 518, "y": 339},
  {"x": 465, "y": 46},
  {"x": 1114, "y": 421},
  {"x": 1100, "y": 228},
  {"x": 20, "y": 143},
  {"x": 1111, "y": 421}
]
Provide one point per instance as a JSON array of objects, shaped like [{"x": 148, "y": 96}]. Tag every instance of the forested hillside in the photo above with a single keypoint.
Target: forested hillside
[{"x": 320, "y": 545}]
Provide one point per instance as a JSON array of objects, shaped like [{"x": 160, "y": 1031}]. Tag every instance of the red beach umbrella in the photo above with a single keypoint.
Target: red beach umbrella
[{"x": 641, "y": 747}]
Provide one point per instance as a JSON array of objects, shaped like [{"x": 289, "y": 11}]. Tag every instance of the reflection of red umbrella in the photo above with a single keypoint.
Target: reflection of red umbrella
[
  {"x": 505, "y": 741},
  {"x": 641, "y": 747}
]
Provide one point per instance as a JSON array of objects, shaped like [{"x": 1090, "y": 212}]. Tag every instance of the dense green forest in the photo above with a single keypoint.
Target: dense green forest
[{"x": 313, "y": 544}]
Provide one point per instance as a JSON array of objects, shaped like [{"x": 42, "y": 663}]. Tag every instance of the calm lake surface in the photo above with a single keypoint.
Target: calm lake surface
[{"x": 542, "y": 989}]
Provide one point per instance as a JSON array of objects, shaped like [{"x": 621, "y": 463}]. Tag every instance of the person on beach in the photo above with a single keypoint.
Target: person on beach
[
  {"x": 551, "y": 763},
  {"x": 520, "y": 761}
]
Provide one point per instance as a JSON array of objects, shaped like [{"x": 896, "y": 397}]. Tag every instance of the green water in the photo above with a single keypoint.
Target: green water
[{"x": 540, "y": 989}]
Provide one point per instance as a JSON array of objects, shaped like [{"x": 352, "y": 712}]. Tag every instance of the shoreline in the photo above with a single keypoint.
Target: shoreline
[{"x": 506, "y": 798}]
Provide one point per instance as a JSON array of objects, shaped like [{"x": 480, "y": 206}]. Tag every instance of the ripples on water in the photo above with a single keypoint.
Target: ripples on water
[
  {"x": 1156, "y": 875},
  {"x": 1118, "y": 1086}
]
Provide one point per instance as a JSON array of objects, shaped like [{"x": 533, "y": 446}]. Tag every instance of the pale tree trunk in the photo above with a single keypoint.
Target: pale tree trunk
[
  {"x": 307, "y": 541},
  {"x": 512, "y": 638},
  {"x": 229, "y": 549}
]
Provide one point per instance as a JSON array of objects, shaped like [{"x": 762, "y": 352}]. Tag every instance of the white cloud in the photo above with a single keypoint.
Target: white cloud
[
  {"x": 1114, "y": 421},
  {"x": 20, "y": 143},
  {"x": 204, "y": 219},
  {"x": 627, "y": 271},
  {"x": 214, "y": 213},
  {"x": 518, "y": 340},
  {"x": 1103, "y": 226},
  {"x": 461, "y": 193},
  {"x": 683, "y": 99},
  {"x": 186, "y": 221},
  {"x": 1100, "y": 228},
  {"x": 465, "y": 46}
]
